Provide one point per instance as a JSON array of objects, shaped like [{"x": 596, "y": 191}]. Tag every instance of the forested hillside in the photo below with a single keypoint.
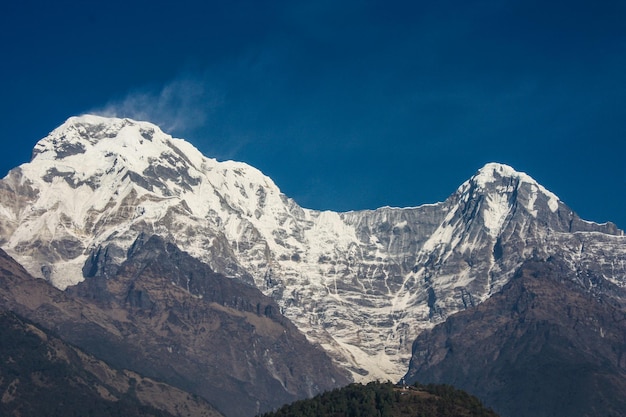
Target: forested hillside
[{"x": 387, "y": 400}]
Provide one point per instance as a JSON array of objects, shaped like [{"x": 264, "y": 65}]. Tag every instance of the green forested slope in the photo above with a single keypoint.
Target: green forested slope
[{"x": 387, "y": 400}]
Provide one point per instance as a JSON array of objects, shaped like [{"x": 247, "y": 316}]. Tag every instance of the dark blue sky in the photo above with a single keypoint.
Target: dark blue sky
[{"x": 346, "y": 105}]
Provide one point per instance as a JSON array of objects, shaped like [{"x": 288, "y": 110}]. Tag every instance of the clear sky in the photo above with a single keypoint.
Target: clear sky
[{"x": 346, "y": 104}]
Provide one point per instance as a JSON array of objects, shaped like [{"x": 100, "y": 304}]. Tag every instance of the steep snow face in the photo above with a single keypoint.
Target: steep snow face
[
  {"x": 362, "y": 284},
  {"x": 491, "y": 173}
]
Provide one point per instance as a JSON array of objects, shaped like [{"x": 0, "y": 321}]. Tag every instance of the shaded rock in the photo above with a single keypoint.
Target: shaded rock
[{"x": 543, "y": 346}]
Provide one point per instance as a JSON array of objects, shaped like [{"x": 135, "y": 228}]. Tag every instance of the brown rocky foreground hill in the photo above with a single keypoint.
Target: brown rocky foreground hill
[
  {"x": 167, "y": 316},
  {"x": 548, "y": 344},
  {"x": 40, "y": 375}
]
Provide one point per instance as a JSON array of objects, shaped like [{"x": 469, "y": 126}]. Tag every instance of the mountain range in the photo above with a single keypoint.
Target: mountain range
[{"x": 152, "y": 255}]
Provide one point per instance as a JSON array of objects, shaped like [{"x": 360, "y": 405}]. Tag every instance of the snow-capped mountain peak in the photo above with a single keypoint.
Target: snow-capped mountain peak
[
  {"x": 505, "y": 177},
  {"x": 94, "y": 178},
  {"x": 493, "y": 171},
  {"x": 94, "y": 146},
  {"x": 79, "y": 132},
  {"x": 497, "y": 191}
]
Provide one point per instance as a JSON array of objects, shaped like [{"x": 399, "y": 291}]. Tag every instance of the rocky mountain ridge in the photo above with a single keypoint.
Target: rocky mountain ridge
[
  {"x": 362, "y": 284},
  {"x": 168, "y": 317},
  {"x": 548, "y": 344}
]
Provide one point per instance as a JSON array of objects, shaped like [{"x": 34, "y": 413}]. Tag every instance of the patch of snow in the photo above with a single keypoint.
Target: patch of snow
[{"x": 495, "y": 212}]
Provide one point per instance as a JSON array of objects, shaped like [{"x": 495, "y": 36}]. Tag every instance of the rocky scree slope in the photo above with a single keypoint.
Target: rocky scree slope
[{"x": 362, "y": 284}]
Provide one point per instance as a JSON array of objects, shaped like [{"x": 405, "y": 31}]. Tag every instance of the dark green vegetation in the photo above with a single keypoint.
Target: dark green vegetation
[{"x": 387, "y": 400}]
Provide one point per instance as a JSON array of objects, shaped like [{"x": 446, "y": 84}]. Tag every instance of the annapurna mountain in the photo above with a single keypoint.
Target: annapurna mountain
[{"x": 362, "y": 284}]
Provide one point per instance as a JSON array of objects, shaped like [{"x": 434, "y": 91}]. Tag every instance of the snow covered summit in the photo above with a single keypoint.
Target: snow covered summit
[{"x": 95, "y": 178}]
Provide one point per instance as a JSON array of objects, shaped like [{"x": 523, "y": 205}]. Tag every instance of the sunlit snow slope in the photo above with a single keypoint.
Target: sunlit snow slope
[{"x": 363, "y": 284}]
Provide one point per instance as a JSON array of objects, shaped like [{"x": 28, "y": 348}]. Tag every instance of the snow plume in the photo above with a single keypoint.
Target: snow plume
[{"x": 181, "y": 106}]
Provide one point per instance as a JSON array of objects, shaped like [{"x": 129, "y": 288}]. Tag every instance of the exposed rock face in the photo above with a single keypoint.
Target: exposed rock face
[
  {"x": 548, "y": 344},
  {"x": 42, "y": 375},
  {"x": 362, "y": 284},
  {"x": 166, "y": 315}
]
